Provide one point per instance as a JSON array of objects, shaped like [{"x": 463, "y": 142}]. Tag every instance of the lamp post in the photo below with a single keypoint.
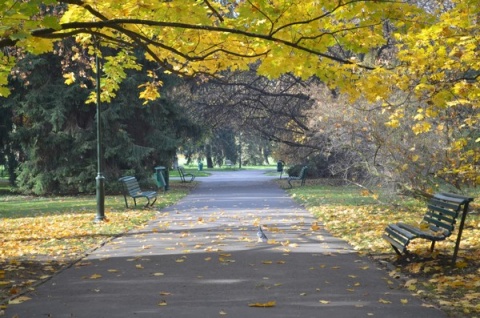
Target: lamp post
[{"x": 100, "y": 179}]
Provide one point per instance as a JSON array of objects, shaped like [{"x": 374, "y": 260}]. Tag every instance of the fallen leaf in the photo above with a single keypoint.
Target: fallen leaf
[
  {"x": 267, "y": 304},
  {"x": 19, "y": 300},
  {"x": 384, "y": 301},
  {"x": 162, "y": 303},
  {"x": 324, "y": 302},
  {"x": 95, "y": 276}
]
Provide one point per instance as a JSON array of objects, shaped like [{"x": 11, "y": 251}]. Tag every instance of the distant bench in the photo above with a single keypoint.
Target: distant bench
[
  {"x": 438, "y": 223},
  {"x": 132, "y": 189},
  {"x": 302, "y": 176},
  {"x": 185, "y": 177}
]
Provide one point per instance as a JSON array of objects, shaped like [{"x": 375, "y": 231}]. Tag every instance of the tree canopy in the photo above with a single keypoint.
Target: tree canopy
[{"x": 417, "y": 60}]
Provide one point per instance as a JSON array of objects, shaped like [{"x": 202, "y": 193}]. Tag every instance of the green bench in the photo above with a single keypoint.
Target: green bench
[
  {"x": 132, "y": 189},
  {"x": 185, "y": 177},
  {"x": 438, "y": 224},
  {"x": 302, "y": 176}
]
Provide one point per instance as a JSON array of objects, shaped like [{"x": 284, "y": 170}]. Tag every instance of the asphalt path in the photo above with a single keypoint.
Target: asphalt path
[{"x": 202, "y": 258}]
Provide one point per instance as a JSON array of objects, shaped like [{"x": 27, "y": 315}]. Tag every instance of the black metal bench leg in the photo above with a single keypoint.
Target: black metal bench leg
[
  {"x": 432, "y": 246},
  {"x": 153, "y": 202},
  {"x": 126, "y": 202},
  {"x": 396, "y": 250}
]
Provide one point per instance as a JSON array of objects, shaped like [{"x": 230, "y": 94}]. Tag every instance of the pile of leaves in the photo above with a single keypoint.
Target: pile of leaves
[{"x": 361, "y": 221}]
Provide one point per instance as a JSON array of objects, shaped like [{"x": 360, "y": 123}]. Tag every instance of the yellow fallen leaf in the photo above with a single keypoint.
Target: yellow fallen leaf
[
  {"x": 404, "y": 301},
  {"x": 162, "y": 303},
  {"x": 113, "y": 271},
  {"x": 384, "y": 301},
  {"x": 267, "y": 304},
  {"x": 461, "y": 264},
  {"x": 324, "y": 302},
  {"x": 222, "y": 313},
  {"x": 158, "y": 274},
  {"x": 267, "y": 262},
  {"x": 139, "y": 266},
  {"x": 164, "y": 293},
  {"x": 95, "y": 276},
  {"x": 19, "y": 300}
]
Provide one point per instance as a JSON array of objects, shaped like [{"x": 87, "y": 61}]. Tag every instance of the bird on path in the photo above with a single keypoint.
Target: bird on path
[{"x": 261, "y": 236}]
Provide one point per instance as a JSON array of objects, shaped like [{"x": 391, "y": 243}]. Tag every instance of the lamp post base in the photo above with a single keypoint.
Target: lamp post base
[{"x": 100, "y": 182}]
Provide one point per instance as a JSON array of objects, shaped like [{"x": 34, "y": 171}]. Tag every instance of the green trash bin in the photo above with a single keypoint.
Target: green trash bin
[{"x": 161, "y": 177}]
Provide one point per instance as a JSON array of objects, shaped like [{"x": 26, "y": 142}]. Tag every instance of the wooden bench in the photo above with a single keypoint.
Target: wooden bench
[
  {"x": 438, "y": 223},
  {"x": 302, "y": 176},
  {"x": 185, "y": 177},
  {"x": 132, "y": 189}
]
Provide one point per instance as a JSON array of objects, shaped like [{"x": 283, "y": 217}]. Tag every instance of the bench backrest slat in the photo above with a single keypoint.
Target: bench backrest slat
[
  {"x": 443, "y": 204},
  {"x": 302, "y": 172},
  {"x": 447, "y": 213},
  {"x": 131, "y": 185},
  {"x": 443, "y": 212},
  {"x": 438, "y": 225}
]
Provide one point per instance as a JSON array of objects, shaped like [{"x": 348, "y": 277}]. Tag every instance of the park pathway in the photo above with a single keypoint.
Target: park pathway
[{"x": 201, "y": 258}]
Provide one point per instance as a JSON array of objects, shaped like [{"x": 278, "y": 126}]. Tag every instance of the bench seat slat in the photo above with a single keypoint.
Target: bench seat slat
[
  {"x": 401, "y": 247},
  {"x": 397, "y": 230}
]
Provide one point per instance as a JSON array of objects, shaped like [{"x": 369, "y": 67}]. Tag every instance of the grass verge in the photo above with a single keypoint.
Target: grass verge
[
  {"x": 39, "y": 236},
  {"x": 360, "y": 219}
]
